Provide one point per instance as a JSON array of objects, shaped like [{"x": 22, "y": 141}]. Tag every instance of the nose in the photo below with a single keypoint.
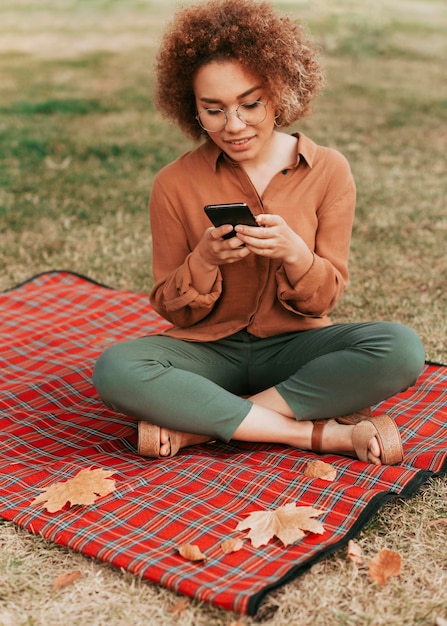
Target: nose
[{"x": 233, "y": 122}]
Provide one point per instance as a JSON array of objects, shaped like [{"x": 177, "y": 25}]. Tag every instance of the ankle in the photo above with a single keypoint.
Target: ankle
[{"x": 328, "y": 436}]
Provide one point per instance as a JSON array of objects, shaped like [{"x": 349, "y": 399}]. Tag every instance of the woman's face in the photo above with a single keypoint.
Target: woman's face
[{"x": 226, "y": 85}]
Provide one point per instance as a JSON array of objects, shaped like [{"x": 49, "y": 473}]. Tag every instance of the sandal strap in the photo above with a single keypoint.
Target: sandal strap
[
  {"x": 148, "y": 439},
  {"x": 355, "y": 418},
  {"x": 384, "y": 429},
  {"x": 316, "y": 444},
  {"x": 389, "y": 439}
]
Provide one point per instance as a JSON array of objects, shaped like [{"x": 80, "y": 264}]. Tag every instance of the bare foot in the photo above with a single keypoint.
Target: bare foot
[
  {"x": 165, "y": 442},
  {"x": 181, "y": 439},
  {"x": 337, "y": 438}
]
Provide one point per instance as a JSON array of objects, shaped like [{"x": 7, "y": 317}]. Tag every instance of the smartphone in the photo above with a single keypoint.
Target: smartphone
[{"x": 234, "y": 213}]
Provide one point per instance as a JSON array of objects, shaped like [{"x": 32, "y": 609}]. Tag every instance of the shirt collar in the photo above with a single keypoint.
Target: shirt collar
[{"x": 306, "y": 150}]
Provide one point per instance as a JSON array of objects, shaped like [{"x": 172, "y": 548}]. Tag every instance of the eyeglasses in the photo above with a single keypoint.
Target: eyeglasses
[{"x": 250, "y": 113}]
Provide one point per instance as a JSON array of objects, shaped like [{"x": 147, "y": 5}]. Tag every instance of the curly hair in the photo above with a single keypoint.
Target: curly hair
[{"x": 250, "y": 33}]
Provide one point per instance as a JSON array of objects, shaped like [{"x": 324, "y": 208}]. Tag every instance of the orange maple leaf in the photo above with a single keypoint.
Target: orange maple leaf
[
  {"x": 320, "y": 469},
  {"x": 65, "y": 579},
  {"x": 231, "y": 545},
  {"x": 191, "y": 552},
  {"x": 84, "y": 488},
  {"x": 287, "y": 522},
  {"x": 179, "y": 607},
  {"x": 438, "y": 520},
  {"x": 385, "y": 564},
  {"x": 355, "y": 552}
]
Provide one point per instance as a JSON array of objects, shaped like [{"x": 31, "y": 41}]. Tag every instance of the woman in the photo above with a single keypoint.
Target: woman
[{"x": 252, "y": 354}]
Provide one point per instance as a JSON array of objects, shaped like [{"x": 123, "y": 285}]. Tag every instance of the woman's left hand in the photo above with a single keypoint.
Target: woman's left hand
[{"x": 276, "y": 240}]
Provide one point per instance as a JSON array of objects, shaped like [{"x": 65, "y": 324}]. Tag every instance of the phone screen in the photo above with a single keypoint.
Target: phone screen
[{"x": 233, "y": 213}]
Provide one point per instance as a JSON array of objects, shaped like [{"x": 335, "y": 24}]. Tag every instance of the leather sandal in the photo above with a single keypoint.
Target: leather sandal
[
  {"x": 149, "y": 441},
  {"x": 388, "y": 435},
  {"x": 365, "y": 428},
  {"x": 355, "y": 418}
]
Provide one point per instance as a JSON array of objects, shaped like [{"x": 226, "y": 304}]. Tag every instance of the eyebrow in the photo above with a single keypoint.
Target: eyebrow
[{"x": 242, "y": 95}]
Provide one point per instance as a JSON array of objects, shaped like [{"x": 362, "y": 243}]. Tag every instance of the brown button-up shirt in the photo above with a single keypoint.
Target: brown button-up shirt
[{"x": 315, "y": 196}]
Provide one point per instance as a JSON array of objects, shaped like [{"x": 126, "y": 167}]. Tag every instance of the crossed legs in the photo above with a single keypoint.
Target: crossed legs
[{"x": 194, "y": 389}]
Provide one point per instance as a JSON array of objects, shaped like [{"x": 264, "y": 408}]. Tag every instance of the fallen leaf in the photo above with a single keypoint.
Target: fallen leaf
[
  {"x": 68, "y": 578},
  {"x": 385, "y": 564},
  {"x": 320, "y": 469},
  {"x": 191, "y": 552},
  {"x": 53, "y": 165},
  {"x": 287, "y": 522},
  {"x": 84, "y": 488},
  {"x": 231, "y": 545},
  {"x": 437, "y": 520},
  {"x": 355, "y": 552},
  {"x": 179, "y": 607}
]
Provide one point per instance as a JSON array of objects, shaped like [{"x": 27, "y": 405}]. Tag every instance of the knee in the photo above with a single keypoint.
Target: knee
[
  {"x": 109, "y": 371},
  {"x": 407, "y": 353}
]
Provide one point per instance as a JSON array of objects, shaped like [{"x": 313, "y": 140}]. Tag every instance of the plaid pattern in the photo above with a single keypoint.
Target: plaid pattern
[{"x": 53, "y": 424}]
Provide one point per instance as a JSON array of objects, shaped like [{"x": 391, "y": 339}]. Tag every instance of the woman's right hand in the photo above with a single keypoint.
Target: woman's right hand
[{"x": 212, "y": 250}]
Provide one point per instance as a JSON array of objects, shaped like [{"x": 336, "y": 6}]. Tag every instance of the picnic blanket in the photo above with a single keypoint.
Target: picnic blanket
[{"x": 53, "y": 424}]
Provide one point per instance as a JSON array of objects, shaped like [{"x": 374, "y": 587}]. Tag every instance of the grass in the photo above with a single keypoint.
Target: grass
[{"x": 80, "y": 143}]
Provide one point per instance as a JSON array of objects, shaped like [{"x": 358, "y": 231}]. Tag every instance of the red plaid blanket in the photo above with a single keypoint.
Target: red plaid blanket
[{"x": 53, "y": 424}]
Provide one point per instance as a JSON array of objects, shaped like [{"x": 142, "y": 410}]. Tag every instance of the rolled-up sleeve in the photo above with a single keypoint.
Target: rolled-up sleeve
[
  {"x": 176, "y": 299},
  {"x": 173, "y": 295},
  {"x": 320, "y": 288},
  {"x": 316, "y": 292}
]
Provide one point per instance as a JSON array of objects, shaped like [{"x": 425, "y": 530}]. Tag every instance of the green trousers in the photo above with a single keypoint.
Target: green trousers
[{"x": 197, "y": 387}]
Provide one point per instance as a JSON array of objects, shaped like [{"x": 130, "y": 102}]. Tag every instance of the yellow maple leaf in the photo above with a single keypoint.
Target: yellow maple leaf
[
  {"x": 289, "y": 523},
  {"x": 84, "y": 488}
]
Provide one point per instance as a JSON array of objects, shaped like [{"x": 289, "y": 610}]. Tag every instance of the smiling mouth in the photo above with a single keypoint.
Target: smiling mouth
[{"x": 239, "y": 142}]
